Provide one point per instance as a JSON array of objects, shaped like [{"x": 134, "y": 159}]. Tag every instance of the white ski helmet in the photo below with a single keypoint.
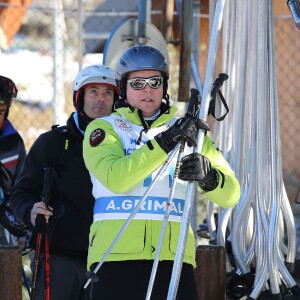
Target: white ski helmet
[{"x": 92, "y": 74}]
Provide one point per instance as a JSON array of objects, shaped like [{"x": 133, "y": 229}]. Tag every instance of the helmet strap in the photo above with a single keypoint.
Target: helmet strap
[
  {"x": 78, "y": 100},
  {"x": 83, "y": 119},
  {"x": 6, "y": 113},
  {"x": 2, "y": 126}
]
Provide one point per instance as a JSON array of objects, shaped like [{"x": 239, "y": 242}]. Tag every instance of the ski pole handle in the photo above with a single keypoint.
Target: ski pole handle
[
  {"x": 194, "y": 104},
  {"x": 213, "y": 96},
  {"x": 49, "y": 175},
  {"x": 218, "y": 84}
]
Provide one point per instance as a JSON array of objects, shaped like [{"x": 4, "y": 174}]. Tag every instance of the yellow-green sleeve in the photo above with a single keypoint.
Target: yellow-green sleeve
[
  {"x": 227, "y": 193},
  {"x": 109, "y": 164}
]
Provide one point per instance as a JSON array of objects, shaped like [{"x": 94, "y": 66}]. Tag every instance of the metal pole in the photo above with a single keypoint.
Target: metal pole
[
  {"x": 143, "y": 18},
  {"x": 240, "y": 136},
  {"x": 275, "y": 161},
  {"x": 196, "y": 75},
  {"x": 263, "y": 212},
  {"x": 165, "y": 221},
  {"x": 58, "y": 67},
  {"x": 217, "y": 24},
  {"x": 228, "y": 44},
  {"x": 276, "y": 164},
  {"x": 80, "y": 18},
  {"x": 196, "y": 32},
  {"x": 185, "y": 51}
]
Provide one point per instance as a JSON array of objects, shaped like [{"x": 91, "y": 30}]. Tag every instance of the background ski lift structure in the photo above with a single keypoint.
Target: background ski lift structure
[{"x": 261, "y": 227}]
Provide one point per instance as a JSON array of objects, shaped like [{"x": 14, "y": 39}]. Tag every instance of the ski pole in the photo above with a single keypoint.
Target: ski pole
[
  {"x": 133, "y": 213},
  {"x": 47, "y": 267},
  {"x": 36, "y": 263},
  {"x": 165, "y": 221},
  {"x": 193, "y": 110},
  {"x": 215, "y": 32},
  {"x": 43, "y": 230}
]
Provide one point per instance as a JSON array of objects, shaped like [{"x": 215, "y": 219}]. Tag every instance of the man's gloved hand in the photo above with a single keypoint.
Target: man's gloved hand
[
  {"x": 197, "y": 167},
  {"x": 186, "y": 127}
]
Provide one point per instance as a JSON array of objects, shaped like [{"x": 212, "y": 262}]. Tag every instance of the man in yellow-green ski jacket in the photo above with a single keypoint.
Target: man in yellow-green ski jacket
[{"x": 123, "y": 153}]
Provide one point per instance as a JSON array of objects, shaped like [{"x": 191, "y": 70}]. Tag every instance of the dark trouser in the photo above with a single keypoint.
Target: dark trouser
[
  {"x": 130, "y": 279},
  {"x": 67, "y": 278}
]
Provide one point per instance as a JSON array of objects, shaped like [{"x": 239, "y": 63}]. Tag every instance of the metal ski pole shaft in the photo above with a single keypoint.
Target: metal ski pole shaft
[
  {"x": 215, "y": 32},
  {"x": 196, "y": 75},
  {"x": 165, "y": 221},
  {"x": 36, "y": 263},
  {"x": 181, "y": 242},
  {"x": 47, "y": 267},
  {"x": 49, "y": 176},
  {"x": 143, "y": 16},
  {"x": 133, "y": 213},
  {"x": 193, "y": 110}
]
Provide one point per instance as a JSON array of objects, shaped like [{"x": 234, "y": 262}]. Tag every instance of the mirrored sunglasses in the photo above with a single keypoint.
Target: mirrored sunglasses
[{"x": 140, "y": 83}]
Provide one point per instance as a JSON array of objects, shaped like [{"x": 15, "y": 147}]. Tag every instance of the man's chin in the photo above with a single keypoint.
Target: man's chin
[
  {"x": 149, "y": 110},
  {"x": 100, "y": 113}
]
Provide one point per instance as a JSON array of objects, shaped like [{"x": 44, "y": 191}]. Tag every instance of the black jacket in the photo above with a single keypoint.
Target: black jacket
[
  {"x": 12, "y": 157},
  {"x": 72, "y": 200}
]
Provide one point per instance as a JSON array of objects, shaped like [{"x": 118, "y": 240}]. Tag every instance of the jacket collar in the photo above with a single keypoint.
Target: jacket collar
[{"x": 133, "y": 117}]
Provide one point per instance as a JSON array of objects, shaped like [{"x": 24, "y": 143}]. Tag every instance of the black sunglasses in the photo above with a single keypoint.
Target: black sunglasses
[{"x": 140, "y": 83}]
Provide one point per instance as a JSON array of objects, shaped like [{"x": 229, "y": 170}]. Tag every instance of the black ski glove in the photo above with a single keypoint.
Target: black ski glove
[
  {"x": 197, "y": 167},
  {"x": 186, "y": 127}
]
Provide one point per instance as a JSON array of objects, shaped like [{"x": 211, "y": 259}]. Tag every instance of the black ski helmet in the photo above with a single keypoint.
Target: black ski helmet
[
  {"x": 8, "y": 90},
  {"x": 92, "y": 74},
  {"x": 139, "y": 58}
]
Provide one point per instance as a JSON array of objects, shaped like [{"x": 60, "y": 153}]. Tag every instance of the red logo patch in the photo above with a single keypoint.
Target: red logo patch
[{"x": 97, "y": 137}]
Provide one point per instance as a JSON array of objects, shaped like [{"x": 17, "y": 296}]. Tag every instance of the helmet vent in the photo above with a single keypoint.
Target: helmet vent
[{"x": 122, "y": 62}]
